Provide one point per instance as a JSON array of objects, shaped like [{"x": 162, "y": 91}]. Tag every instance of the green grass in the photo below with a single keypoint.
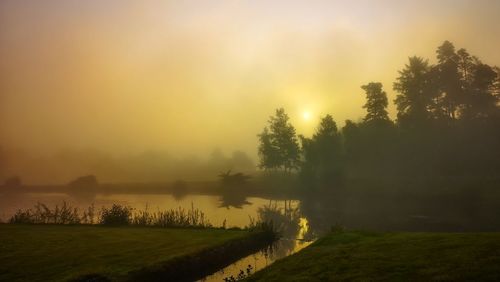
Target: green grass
[
  {"x": 58, "y": 253},
  {"x": 362, "y": 256}
]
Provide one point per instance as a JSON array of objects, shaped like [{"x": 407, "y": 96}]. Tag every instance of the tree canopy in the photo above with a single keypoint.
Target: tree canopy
[{"x": 279, "y": 147}]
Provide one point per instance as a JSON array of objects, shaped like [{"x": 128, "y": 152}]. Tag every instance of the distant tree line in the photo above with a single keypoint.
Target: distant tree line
[{"x": 448, "y": 125}]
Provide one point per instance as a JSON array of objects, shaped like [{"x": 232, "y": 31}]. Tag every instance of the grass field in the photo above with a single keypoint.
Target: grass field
[
  {"x": 58, "y": 253},
  {"x": 362, "y": 256}
]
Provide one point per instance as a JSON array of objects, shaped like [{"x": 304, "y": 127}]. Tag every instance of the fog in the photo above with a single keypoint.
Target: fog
[{"x": 146, "y": 91}]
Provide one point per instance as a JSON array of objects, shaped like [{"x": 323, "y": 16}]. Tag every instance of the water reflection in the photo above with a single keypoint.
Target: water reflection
[
  {"x": 286, "y": 217},
  {"x": 232, "y": 189},
  {"x": 233, "y": 200},
  {"x": 211, "y": 205},
  {"x": 260, "y": 260},
  {"x": 322, "y": 213},
  {"x": 179, "y": 190}
]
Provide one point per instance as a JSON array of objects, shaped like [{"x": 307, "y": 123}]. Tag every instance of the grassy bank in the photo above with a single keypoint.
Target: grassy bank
[
  {"x": 59, "y": 253},
  {"x": 392, "y": 257}
]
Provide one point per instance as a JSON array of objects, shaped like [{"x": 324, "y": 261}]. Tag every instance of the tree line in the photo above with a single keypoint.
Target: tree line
[{"x": 447, "y": 125}]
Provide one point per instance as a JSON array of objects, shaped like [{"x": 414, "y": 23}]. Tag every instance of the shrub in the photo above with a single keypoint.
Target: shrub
[{"x": 116, "y": 215}]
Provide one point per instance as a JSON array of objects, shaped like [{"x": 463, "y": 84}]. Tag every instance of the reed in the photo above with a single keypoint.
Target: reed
[{"x": 114, "y": 215}]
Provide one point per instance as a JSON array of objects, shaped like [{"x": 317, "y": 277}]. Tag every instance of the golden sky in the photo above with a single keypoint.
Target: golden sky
[{"x": 188, "y": 76}]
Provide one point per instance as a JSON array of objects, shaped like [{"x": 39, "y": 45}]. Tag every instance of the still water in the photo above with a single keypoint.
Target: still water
[{"x": 217, "y": 210}]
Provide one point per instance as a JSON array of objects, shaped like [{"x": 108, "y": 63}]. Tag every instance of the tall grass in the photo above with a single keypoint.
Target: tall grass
[
  {"x": 179, "y": 217},
  {"x": 115, "y": 215},
  {"x": 41, "y": 213},
  {"x": 271, "y": 217}
]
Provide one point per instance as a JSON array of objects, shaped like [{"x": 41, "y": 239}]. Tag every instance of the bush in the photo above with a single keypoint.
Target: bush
[{"x": 116, "y": 215}]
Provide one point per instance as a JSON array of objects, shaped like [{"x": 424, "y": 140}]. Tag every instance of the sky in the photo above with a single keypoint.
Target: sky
[{"x": 189, "y": 76}]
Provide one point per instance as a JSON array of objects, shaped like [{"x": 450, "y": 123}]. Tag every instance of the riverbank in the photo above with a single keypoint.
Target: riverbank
[
  {"x": 61, "y": 253},
  {"x": 363, "y": 256}
]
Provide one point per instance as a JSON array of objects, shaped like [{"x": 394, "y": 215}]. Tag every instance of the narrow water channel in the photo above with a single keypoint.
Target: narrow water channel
[
  {"x": 259, "y": 260},
  {"x": 289, "y": 244}
]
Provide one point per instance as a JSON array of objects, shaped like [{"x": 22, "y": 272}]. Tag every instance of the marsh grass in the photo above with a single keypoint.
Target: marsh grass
[
  {"x": 274, "y": 219},
  {"x": 114, "y": 215},
  {"x": 179, "y": 217},
  {"x": 42, "y": 214}
]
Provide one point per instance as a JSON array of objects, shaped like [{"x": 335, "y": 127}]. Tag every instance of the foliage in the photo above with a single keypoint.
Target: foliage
[
  {"x": 322, "y": 154},
  {"x": 279, "y": 147},
  {"x": 281, "y": 221},
  {"x": 116, "y": 215},
  {"x": 175, "y": 218},
  {"x": 414, "y": 86},
  {"x": 448, "y": 115},
  {"x": 241, "y": 275},
  {"x": 41, "y": 214},
  {"x": 376, "y": 102},
  {"x": 268, "y": 153}
]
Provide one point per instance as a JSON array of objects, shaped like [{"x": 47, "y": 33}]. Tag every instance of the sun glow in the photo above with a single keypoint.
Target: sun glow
[{"x": 306, "y": 115}]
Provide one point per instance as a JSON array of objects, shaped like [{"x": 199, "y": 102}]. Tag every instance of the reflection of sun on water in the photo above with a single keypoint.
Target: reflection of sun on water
[{"x": 303, "y": 227}]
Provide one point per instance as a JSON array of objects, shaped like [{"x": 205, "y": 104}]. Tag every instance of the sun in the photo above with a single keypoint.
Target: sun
[{"x": 306, "y": 115}]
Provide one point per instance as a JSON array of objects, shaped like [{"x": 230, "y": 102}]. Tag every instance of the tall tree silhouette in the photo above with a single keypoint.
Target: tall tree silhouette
[
  {"x": 465, "y": 66},
  {"x": 268, "y": 153},
  {"x": 496, "y": 86},
  {"x": 480, "y": 101},
  {"x": 279, "y": 147},
  {"x": 376, "y": 103},
  {"x": 322, "y": 152},
  {"x": 449, "y": 85},
  {"x": 416, "y": 92}
]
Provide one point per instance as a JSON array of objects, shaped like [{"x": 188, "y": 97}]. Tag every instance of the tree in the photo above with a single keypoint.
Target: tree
[
  {"x": 447, "y": 76},
  {"x": 376, "y": 102},
  {"x": 446, "y": 52},
  {"x": 496, "y": 86},
  {"x": 217, "y": 160},
  {"x": 268, "y": 153},
  {"x": 279, "y": 147},
  {"x": 416, "y": 92},
  {"x": 480, "y": 101},
  {"x": 465, "y": 66},
  {"x": 351, "y": 134},
  {"x": 240, "y": 160},
  {"x": 322, "y": 152}
]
